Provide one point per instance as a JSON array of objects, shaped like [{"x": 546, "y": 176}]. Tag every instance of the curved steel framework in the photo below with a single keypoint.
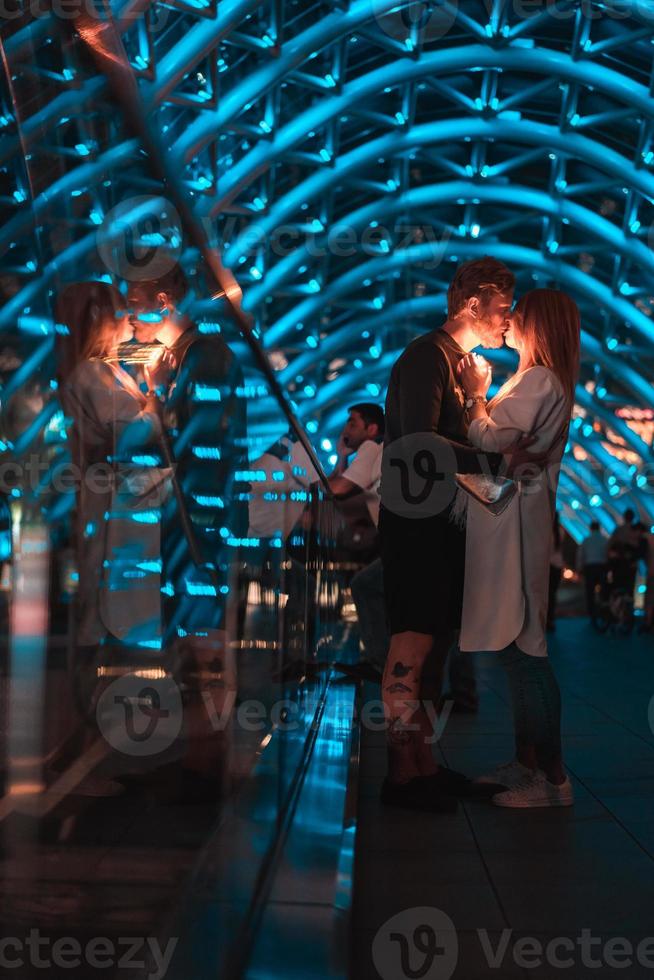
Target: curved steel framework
[{"x": 343, "y": 157}]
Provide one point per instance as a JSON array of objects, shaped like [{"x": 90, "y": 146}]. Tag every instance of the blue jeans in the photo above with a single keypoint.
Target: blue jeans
[{"x": 536, "y": 701}]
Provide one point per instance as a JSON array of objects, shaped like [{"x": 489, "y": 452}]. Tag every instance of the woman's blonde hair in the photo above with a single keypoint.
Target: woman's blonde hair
[
  {"x": 548, "y": 322},
  {"x": 86, "y": 323}
]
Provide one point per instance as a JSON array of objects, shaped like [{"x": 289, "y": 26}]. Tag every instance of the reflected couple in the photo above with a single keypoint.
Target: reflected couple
[{"x": 166, "y": 419}]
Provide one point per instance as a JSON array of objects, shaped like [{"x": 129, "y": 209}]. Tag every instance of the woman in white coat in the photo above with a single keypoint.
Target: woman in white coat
[
  {"x": 116, "y": 525},
  {"x": 508, "y": 556}
]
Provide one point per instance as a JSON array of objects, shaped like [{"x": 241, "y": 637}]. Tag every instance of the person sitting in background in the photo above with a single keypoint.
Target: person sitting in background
[
  {"x": 362, "y": 437},
  {"x": 624, "y": 553},
  {"x": 355, "y": 484},
  {"x": 592, "y": 563}
]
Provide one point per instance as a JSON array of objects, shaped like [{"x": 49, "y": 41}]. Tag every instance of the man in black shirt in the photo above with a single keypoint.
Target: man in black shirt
[
  {"x": 423, "y": 552},
  {"x": 204, "y": 413}
]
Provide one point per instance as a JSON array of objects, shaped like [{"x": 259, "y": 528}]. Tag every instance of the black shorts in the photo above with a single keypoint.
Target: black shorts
[{"x": 424, "y": 566}]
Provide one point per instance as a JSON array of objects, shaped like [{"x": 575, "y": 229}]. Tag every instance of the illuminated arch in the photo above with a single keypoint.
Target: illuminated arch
[{"x": 520, "y": 90}]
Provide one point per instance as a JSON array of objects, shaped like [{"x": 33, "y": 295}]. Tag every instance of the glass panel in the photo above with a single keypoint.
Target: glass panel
[{"x": 168, "y": 572}]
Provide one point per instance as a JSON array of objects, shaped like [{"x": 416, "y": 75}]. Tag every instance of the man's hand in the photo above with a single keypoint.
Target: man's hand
[
  {"x": 522, "y": 464},
  {"x": 343, "y": 451},
  {"x": 342, "y": 448}
]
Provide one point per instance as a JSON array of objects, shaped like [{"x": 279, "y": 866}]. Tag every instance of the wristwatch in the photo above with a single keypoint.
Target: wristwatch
[{"x": 473, "y": 401}]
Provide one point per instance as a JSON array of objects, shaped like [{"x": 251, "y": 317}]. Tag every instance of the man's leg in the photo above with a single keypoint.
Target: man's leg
[{"x": 410, "y": 749}]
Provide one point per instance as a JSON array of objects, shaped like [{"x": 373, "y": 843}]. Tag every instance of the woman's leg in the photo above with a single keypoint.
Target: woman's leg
[{"x": 536, "y": 700}]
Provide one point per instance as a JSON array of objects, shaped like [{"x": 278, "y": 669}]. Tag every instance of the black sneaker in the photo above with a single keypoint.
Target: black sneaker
[
  {"x": 447, "y": 781},
  {"x": 417, "y": 794}
]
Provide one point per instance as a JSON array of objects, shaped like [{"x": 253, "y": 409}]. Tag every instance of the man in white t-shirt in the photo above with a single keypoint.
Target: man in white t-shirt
[
  {"x": 356, "y": 480},
  {"x": 362, "y": 435}
]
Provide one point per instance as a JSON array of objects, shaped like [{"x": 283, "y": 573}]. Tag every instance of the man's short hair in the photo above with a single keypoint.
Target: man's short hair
[
  {"x": 173, "y": 283},
  {"x": 371, "y": 414},
  {"x": 594, "y": 525},
  {"x": 481, "y": 277},
  {"x": 629, "y": 516}
]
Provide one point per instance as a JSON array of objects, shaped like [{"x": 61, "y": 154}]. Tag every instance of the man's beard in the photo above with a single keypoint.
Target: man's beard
[
  {"x": 490, "y": 337},
  {"x": 144, "y": 336}
]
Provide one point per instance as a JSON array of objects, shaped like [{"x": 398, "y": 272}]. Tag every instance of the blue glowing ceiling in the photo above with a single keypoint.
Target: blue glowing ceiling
[{"x": 343, "y": 157}]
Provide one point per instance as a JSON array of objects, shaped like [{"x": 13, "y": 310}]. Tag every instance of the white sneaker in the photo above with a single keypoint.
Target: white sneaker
[
  {"x": 507, "y": 774},
  {"x": 535, "y": 790}
]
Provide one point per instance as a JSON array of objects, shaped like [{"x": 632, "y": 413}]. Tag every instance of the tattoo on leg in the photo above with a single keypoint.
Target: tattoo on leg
[
  {"x": 398, "y": 688},
  {"x": 400, "y": 669},
  {"x": 397, "y": 732}
]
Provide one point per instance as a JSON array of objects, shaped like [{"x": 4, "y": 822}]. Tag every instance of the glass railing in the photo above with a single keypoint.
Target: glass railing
[{"x": 172, "y": 577}]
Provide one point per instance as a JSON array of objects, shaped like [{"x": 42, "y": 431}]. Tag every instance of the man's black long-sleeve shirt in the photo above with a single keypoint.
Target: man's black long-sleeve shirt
[{"x": 424, "y": 396}]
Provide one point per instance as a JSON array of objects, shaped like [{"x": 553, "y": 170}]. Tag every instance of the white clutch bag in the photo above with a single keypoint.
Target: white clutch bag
[{"x": 494, "y": 493}]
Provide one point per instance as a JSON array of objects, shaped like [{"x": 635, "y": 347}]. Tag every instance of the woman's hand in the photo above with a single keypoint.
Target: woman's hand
[
  {"x": 475, "y": 375},
  {"x": 152, "y": 402}
]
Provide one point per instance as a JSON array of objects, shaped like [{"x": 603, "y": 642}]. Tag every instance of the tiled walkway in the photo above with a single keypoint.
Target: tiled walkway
[{"x": 540, "y": 874}]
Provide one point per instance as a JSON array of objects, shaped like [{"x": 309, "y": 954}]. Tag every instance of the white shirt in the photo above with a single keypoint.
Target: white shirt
[
  {"x": 365, "y": 472},
  {"x": 276, "y": 500},
  {"x": 508, "y": 556},
  {"x": 593, "y": 550}
]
